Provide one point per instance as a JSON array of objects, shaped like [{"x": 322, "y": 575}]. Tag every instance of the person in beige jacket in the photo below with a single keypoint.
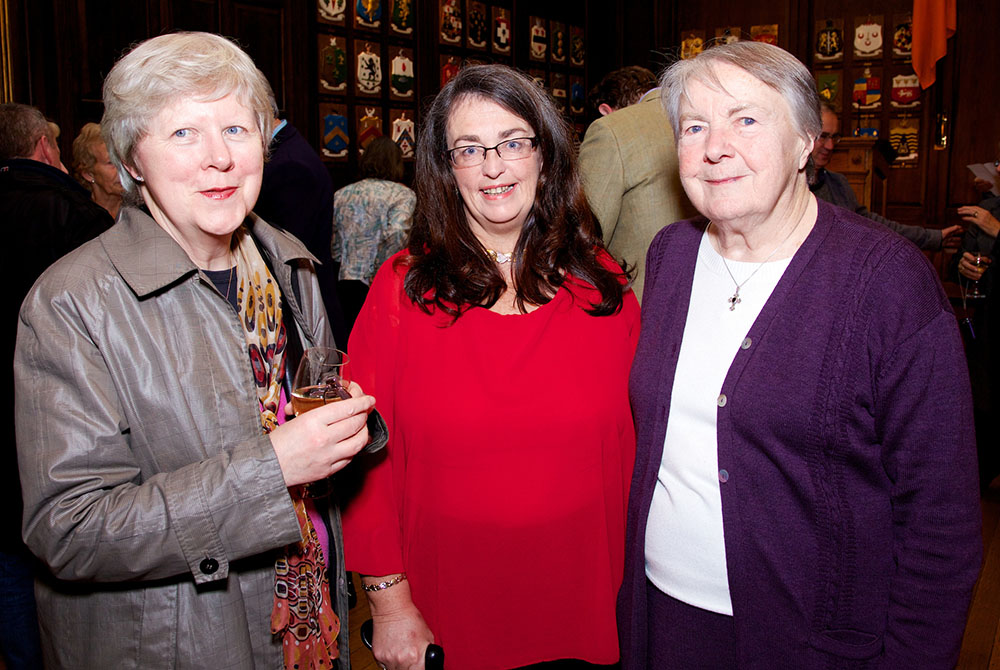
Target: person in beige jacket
[{"x": 629, "y": 165}]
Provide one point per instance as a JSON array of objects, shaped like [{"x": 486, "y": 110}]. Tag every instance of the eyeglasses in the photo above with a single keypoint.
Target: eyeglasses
[
  {"x": 514, "y": 149},
  {"x": 835, "y": 137}
]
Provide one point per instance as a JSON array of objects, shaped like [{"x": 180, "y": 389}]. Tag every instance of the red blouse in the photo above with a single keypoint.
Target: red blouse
[{"x": 504, "y": 493}]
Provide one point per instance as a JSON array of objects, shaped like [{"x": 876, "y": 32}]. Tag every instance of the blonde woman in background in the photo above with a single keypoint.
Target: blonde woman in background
[{"x": 93, "y": 168}]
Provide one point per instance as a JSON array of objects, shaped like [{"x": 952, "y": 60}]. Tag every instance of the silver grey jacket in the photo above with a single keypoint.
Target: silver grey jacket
[{"x": 150, "y": 491}]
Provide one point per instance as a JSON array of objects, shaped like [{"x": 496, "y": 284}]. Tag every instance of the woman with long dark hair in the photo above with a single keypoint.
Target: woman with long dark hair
[{"x": 498, "y": 344}]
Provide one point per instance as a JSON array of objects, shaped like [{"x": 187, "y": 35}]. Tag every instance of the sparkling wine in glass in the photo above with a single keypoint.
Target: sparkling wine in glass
[
  {"x": 979, "y": 260},
  {"x": 320, "y": 379}
]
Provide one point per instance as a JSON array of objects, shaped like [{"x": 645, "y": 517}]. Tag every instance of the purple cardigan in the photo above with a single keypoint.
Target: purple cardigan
[{"x": 850, "y": 501}]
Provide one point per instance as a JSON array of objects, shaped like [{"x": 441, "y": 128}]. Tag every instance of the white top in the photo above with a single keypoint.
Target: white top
[{"x": 685, "y": 541}]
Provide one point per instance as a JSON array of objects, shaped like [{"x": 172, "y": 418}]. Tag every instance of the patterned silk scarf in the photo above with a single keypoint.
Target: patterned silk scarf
[{"x": 303, "y": 615}]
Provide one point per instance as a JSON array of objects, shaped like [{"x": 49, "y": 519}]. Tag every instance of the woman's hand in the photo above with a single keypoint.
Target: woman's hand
[
  {"x": 967, "y": 266},
  {"x": 323, "y": 441},
  {"x": 982, "y": 185},
  {"x": 981, "y": 218},
  {"x": 401, "y": 636},
  {"x": 951, "y": 237}
]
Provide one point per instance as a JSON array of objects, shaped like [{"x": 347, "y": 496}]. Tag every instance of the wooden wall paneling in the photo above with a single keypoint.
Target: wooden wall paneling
[
  {"x": 799, "y": 32},
  {"x": 605, "y": 30},
  {"x": 60, "y": 91},
  {"x": 638, "y": 38},
  {"x": 125, "y": 24},
  {"x": 301, "y": 67},
  {"x": 936, "y": 192},
  {"x": 204, "y": 15},
  {"x": 259, "y": 27},
  {"x": 973, "y": 102},
  {"x": 665, "y": 35},
  {"x": 43, "y": 44},
  {"x": 16, "y": 88},
  {"x": 427, "y": 55}
]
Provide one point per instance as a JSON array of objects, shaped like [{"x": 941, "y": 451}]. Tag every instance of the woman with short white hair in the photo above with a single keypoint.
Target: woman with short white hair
[
  {"x": 164, "y": 489},
  {"x": 804, "y": 494}
]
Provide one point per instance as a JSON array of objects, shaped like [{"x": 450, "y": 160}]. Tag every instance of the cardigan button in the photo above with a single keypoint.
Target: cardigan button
[
  {"x": 722, "y": 400},
  {"x": 208, "y": 566},
  {"x": 723, "y": 475},
  {"x": 746, "y": 343}
]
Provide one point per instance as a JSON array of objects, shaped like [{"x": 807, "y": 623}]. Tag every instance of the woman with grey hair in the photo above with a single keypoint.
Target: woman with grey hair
[
  {"x": 163, "y": 487},
  {"x": 801, "y": 497}
]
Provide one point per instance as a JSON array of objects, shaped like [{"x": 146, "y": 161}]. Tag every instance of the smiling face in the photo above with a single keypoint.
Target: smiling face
[
  {"x": 498, "y": 194},
  {"x": 741, "y": 158},
  {"x": 201, "y": 164}
]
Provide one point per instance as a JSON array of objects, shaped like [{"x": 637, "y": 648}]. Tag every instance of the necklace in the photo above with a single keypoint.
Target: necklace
[
  {"x": 499, "y": 256},
  {"x": 735, "y": 299}
]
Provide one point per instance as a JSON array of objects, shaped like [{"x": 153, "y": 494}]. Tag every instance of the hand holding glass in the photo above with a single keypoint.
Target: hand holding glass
[
  {"x": 978, "y": 260},
  {"x": 320, "y": 379}
]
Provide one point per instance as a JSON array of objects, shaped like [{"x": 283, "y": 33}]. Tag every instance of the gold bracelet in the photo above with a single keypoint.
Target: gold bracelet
[{"x": 384, "y": 585}]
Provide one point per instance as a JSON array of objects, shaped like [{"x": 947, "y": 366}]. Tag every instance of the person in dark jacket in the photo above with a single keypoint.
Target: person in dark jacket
[
  {"x": 834, "y": 188},
  {"x": 804, "y": 493},
  {"x": 46, "y": 214},
  {"x": 297, "y": 195},
  {"x": 982, "y": 240}
]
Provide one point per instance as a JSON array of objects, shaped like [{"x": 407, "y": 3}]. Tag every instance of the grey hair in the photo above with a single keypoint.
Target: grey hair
[
  {"x": 20, "y": 128},
  {"x": 772, "y": 65},
  {"x": 164, "y": 69}
]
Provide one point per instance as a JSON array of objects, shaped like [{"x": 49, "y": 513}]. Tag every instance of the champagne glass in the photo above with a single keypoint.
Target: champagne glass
[
  {"x": 978, "y": 260},
  {"x": 320, "y": 379}
]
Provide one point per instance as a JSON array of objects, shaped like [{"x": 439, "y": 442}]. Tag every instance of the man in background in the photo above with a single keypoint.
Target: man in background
[
  {"x": 297, "y": 195},
  {"x": 45, "y": 214},
  {"x": 628, "y": 160},
  {"x": 834, "y": 188}
]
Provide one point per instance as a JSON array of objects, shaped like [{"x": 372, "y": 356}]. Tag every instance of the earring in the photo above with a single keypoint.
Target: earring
[{"x": 139, "y": 178}]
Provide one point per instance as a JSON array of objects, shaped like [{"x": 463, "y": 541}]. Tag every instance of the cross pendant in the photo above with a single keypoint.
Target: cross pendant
[{"x": 734, "y": 300}]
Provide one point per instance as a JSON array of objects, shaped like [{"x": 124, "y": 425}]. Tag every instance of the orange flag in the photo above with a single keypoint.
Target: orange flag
[{"x": 933, "y": 23}]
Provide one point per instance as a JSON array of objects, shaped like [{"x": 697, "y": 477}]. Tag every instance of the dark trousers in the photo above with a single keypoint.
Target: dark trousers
[
  {"x": 19, "y": 642},
  {"x": 683, "y": 637}
]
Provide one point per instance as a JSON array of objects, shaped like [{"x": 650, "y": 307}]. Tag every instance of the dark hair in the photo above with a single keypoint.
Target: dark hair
[
  {"x": 622, "y": 87},
  {"x": 560, "y": 240},
  {"x": 382, "y": 159}
]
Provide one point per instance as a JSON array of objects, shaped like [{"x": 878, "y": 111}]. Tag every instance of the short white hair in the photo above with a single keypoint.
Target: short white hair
[
  {"x": 772, "y": 65},
  {"x": 161, "y": 70}
]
